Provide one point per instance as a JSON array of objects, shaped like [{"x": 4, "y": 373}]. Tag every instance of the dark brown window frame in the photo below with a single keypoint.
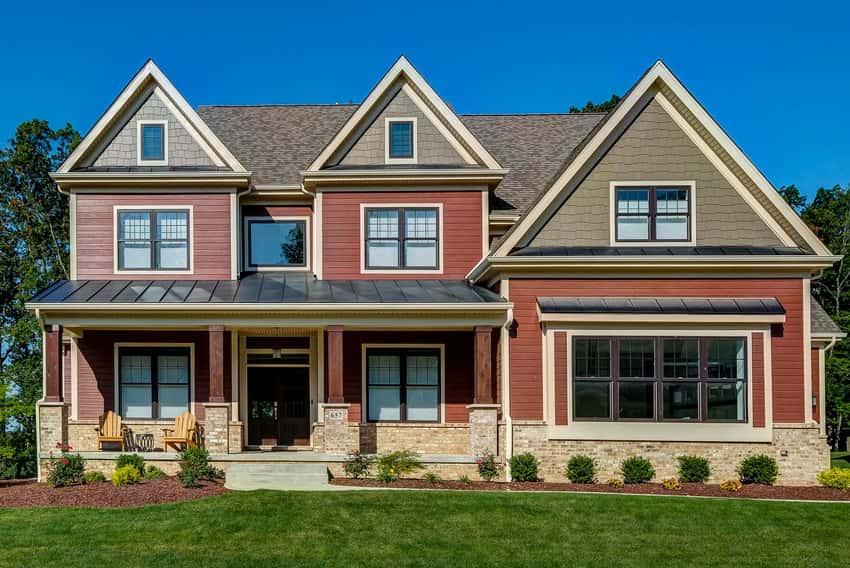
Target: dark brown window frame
[
  {"x": 702, "y": 381},
  {"x": 652, "y": 214},
  {"x": 401, "y": 238},
  {"x": 153, "y": 353},
  {"x": 403, "y": 353},
  {"x": 152, "y": 240},
  {"x": 249, "y": 222}
]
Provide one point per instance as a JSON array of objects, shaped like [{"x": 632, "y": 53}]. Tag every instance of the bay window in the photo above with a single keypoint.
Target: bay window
[
  {"x": 153, "y": 382},
  {"x": 403, "y": 385},
  {"x": 700, "y": 379}
]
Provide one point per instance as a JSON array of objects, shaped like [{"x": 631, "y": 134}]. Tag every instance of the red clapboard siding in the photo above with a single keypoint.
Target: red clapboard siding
[
  {"x": 561, "y": 406},
  {"x": 816, "y": 384},
  {"x": 758, "y": 380},
  {"x": 787, "y": 351},
  {"x": 96, "y": 366},
  {"x": 210, "y": 234},
  {"x": 459, "y": 379},
  {"x": 341, "y": 231}
]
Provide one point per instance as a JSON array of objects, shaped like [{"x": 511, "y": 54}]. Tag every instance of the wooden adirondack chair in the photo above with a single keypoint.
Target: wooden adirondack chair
[
  {"x": 111, "y": 430},
  {"x": 183, "y": 433}
]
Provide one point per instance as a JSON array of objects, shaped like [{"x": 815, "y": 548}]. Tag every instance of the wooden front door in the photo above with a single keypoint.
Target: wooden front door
[{"x": 278, "y": 406}]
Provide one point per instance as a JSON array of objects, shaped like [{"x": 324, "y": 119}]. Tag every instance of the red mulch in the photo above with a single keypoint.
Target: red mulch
[
  {"x": 699, "y": 489},
  {"x": 165, "y": 490}
]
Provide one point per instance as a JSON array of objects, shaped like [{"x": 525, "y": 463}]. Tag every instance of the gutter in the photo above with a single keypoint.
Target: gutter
[{"x": 262, "y": 307}]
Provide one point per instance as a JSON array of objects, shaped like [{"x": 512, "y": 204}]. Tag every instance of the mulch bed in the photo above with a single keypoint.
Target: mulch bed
[
  {"x": 697, "y": 489},
  {"x": 165, "y": 490}
]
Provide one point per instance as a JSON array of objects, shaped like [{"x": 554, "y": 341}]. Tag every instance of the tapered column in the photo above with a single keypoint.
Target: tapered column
[
  {"x": 216, "y": 338},
  {"x": 483, "y": 367},
  {"x": 53, "y": 363},
  {"x": 335, "y": 392}
]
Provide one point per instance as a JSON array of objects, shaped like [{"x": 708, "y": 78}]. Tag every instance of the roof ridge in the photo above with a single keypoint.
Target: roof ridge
[
  {"x": 249, "y": 105},
  {"x": 533, "y": 114}
]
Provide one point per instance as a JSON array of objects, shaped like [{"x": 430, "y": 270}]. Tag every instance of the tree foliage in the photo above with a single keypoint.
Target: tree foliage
[
  {"x": 828, "y": 215},
  {"x": 34, "y": 251},
  {"x": 590, "y": 106}
]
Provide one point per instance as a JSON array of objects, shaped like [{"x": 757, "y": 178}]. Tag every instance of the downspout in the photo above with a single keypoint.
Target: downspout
[{"x": 506, "y": 386}]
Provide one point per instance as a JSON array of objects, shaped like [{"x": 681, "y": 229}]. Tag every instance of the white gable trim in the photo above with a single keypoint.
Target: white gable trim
[
  {"x": 658, "y": 72},
  {"x": 403, "y": 68},
  {"x": 172, "y": 98}
]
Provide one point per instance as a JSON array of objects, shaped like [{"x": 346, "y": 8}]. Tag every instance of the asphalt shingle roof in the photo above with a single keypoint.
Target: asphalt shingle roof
[
  {"x": 821, "y": 321},
  {"x": 276, "y": 142}
]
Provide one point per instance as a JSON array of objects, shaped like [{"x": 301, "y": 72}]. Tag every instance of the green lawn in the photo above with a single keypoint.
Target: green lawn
[
  {"x": 841, "y": 459},
  {"x": 406, "y": 528}
]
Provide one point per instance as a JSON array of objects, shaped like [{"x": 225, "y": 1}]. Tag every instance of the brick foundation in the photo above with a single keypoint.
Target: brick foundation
[
  {"x": 52, "y": 425},
  {"x": 216, "y": 427},
  {"x": 338, "y": 436},
  {"x": 483, "y": 429},
  {"x": 421, "y": 438},
  {"x": 807, "y": 453}
]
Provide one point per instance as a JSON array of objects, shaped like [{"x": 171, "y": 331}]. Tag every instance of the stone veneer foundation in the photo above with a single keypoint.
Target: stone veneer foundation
[{"x": 800, "y": 451}]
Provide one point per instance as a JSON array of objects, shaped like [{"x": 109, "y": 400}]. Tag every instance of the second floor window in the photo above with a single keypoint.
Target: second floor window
[
  {"x": 153, "y": 240},
  {"x": 276, "y": 243},
  {"x": 403, "y": 238},
  {"x": 653, "y": 214}
]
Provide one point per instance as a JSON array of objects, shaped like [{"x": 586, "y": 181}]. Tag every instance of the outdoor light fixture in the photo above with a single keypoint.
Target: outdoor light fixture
[
  {"x": 276, "y": 353},
  {"x": 814, "y": 400}
]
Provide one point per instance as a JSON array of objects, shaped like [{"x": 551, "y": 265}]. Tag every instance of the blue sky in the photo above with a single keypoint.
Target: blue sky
[{"x": 775, "y": 75}]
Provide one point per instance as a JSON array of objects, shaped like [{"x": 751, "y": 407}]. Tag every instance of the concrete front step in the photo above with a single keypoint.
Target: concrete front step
[{"x": 277, "y": 476}]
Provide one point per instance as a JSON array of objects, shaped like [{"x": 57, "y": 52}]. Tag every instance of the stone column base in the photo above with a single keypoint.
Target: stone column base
[
  {"x": 216, "y": 437},
  {"x": 52, "y": 425},
  {"x": 234, "y": 437},
  {"x": 339, "y": 438},
  {"x": 484, "y": 429}
]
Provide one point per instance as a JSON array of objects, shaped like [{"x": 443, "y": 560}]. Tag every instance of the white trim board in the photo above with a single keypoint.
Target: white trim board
[{"x": 638, "y": 96}]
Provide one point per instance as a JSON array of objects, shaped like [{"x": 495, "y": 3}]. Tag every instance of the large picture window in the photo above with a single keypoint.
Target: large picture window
[
  {"x": 153, "y": 382},
  {"x": 403, "y": 385},
  {"x": 276, "y": 243},
  {"x": 402, "y": 238},
  {"x": 153, "y": 239},
  {"x": 659, "y": 378},
  {"x": 652, "y": 214}
]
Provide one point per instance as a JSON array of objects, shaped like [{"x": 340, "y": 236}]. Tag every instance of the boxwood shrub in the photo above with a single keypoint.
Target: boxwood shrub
[
  {"x": 693, "y": 469},
  {"x": 581, "y": 469},
  {"x": 524, "y": 467},
  {"x": 759, "y": 468},
  {"x": 637, "y": 470}
]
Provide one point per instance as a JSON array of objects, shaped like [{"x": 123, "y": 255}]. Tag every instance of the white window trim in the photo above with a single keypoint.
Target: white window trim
[
  {"x": 246, "y": 238},
  {"x": 440, "y": 238},
  {"x": 656, "y": 431},
  {"x": 117, "y": 208},
  {"x": 414, "y": 136},
  {"x": 141, "y": 161},
  {"x": 364, "y": 347},
  {"x": 612, "y": 213},
  {"x": 117, "y": 382}
]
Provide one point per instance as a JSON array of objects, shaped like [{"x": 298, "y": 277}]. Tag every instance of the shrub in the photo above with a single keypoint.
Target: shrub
[
  {"x": 488, "y": 469},
  {"x": 524, "y": 467},
  {"x": 581, "y": 469},
  {"x": 134, "y": 460},
  {"x": 836, "y": 477},
  {"x": 393, "y": 465},
  {"x": 671, "y": 483},
  {"x": 731, "y": 485},
  {"x": 637, "y": 470},
  {"x": 758, "y": 469},
  {"x": 125, "y": 475},
  {"x": 464, "y": 479},
  {"x": 195, "y": 467},
  {"x": 90, "y": 477},
  {"x": 153, "y": 472},
  {"x": 68, "y": 469},
  {"x": 431, "y": 477},
  {"x": 357, "y": 465},
  {"x": 614, "y": 482},
  {"x": 693, "y": 469}
]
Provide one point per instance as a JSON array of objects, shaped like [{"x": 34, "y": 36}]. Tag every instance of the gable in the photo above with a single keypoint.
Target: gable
[
  {"x": 433, "y": 146},
  {"x": 122, "y": 149},
  {"x": 654, "y": 148}
]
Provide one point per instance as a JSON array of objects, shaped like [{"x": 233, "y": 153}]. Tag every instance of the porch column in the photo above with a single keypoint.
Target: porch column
[
  {"x": 484, "y": 413},
  {"x": 339, "y": 436},
  {"x": 217, "y": 411},
  {"x": 53, "y": 363},
  {"x": 483, "y": 368}
]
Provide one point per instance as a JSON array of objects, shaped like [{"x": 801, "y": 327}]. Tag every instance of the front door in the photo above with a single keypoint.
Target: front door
[{"x": 278, "y": 406}]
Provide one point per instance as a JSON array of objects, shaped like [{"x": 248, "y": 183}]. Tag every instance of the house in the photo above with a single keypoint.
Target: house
[{"x": 323, "y": 279}]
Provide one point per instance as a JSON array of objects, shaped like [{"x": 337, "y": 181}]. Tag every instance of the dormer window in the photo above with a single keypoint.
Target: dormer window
[
  {"x": 401, "y": 140},
  {"x": 153, "y": 143}
]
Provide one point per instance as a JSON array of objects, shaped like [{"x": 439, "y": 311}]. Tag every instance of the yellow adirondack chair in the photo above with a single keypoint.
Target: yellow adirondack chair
[
  {"x": 111, "y": 430},
  {"x": 183, "y": 433}
]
